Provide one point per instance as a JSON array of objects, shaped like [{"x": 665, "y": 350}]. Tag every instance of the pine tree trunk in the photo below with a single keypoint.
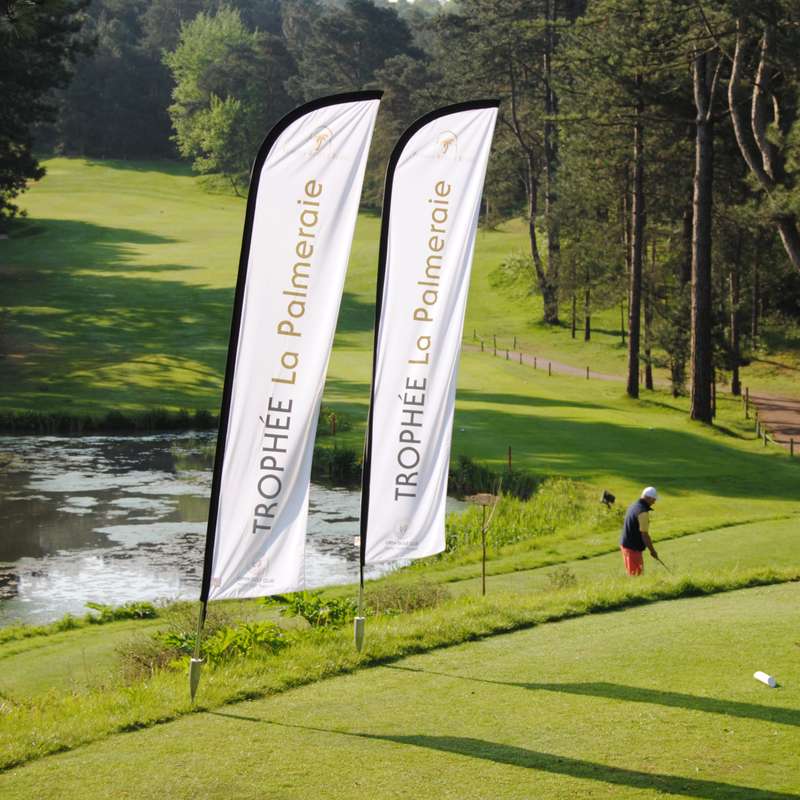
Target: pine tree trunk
[
  {"x": 637, "y": 253},
  {"x": 587, "y": 313},
  {"x": 574, "y": 312},
  {"x": 736, "y": 385},
  {"x": 551, "y": 172},
  {"x": 701, "y": 346},
  {"x": 587, "y": 308},
  {"x": 647, "y": 296},
  {"x": 756, "y": 300}
]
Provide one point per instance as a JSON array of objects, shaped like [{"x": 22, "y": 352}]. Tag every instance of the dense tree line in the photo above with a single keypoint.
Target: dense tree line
[{"x": 652, "y": 147}]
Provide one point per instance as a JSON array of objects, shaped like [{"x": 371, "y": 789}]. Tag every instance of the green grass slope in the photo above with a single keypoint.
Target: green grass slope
[
  {"x": 117, "y": 295},
  {"x": 655, "y": 701}
]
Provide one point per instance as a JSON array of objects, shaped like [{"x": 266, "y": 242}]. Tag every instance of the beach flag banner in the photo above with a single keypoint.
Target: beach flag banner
[
  {"x": 301, "y": 213},
  {"x": 434, "y": 184}
]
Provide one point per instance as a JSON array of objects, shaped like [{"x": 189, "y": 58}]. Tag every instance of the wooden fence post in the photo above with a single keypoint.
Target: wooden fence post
[
  {"x": 481, "y": 345},
  {"x": 506, "y": 354},
  {"x": 791, "y": 448},
  {"x": 587, "y": 373},
  {"x": 747, "y": 402},
  {"x": 520, "y": 356},
  {"x": 549, "y": 367}
]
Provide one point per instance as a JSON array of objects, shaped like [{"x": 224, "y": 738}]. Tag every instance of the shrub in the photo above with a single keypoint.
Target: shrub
[
  {"x": 469, "y": 477},
  {"x": 317, "y": 611},
  {"x": 223, "y": 639},
  {"x": 67, "y": 623},
  {"x": 400, "y": 598},
  {"x": 562, "y": 578},
  {"x": 137, "y": 610},
  {"x": 245, "y": 640},
  {"x": 558, "y": 503},
  {"x": 336, "y": 464},
  {"x": 325, "y": 421}
]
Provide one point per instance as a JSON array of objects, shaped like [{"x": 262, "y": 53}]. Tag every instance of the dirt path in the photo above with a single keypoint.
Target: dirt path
[
  {"x": 779, "y": 415},
  {"x": 546, "y": 364}
]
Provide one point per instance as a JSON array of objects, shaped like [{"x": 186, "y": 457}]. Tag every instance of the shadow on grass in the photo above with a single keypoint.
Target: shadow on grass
[
  {"x": 679, "y": 461},
  {"x": 170, "y": 167},
  {"x": 511, "y": 755},
  {"x": 636, "y": 694},
  {"x": 110, "y": 340}
]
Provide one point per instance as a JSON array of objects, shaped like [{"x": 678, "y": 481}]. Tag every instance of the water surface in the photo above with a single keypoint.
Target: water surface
[{"x": 112, "y": 519}]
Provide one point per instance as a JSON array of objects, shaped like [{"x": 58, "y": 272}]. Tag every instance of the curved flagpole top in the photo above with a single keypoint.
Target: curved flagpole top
[
  {"x": 421, "y": 122},
  {"x": 312, "y": 105}
]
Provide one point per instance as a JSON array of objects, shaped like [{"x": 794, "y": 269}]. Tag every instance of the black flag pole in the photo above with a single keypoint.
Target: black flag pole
[{"x": 233, "y": 345}]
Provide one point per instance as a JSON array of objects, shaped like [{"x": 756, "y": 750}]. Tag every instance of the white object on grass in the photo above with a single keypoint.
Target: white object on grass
[{"x": 764, "y": 678}]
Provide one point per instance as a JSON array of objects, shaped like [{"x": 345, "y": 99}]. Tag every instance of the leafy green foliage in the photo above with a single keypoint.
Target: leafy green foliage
[
  {"x": 69, "y": 622},
  {"x": 39, "y": 43},
  {"x": 562, "y": 578},
  {"x": 316, "y": 609},
  {"x": 245, "y": 640},
  {"x": 328, "y": 418},
  {"x": 229, "y": 89},
  {"x": 558, "y": 503},
  {"x": 470, "y": 477},
  {"x": 133, "y": 610},
  {"x": 340, "y": 465},
  {"x": 340, "y": 48}
]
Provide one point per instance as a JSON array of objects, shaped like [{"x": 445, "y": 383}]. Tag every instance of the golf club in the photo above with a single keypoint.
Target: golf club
[{"x": 664, "y": 565}]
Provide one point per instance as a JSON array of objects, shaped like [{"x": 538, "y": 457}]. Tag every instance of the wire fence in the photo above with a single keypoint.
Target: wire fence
[{"x": 513, "y": 353}]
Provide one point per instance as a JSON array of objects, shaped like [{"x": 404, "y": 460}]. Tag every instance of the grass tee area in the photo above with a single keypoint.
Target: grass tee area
[{"x": 568, "y": 680}]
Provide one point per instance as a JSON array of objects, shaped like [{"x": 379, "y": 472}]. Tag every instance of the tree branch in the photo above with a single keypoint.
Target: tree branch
[{"x": 752, "y": 159}]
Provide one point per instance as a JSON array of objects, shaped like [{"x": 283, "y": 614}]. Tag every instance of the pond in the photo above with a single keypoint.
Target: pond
[{"x": 112, "y": 519}]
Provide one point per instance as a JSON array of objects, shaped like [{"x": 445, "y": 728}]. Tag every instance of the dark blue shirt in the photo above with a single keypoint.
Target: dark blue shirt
[{"x": 631, "y": 533}]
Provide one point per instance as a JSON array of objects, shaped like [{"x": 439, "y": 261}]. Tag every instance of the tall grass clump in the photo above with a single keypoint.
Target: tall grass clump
[
  {"x": 468, "y": 477},
  {"x": 101, "y": 614},
  {"x": 403, "y": 598},
  {"x": 559, "y": 504}
]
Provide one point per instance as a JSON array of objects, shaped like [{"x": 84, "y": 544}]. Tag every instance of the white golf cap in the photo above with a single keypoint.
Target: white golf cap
[{"x": 650, "y": 492}]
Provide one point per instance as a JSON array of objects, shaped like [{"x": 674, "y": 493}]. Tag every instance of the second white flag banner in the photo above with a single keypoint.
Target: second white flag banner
[{"x": 432, "y": 200}]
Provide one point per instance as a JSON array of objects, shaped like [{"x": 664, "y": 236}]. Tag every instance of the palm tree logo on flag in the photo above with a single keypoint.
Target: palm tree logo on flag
[
  {"x": 446, "y": 145},
  {"x": 319, "y": 140}
]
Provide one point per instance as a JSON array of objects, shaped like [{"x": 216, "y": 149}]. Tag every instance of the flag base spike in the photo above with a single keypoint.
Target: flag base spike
[
  {"x": 195, "y": 668},
  {"x": 196, "y": 664},
  {"x": 358, "y": 632}
]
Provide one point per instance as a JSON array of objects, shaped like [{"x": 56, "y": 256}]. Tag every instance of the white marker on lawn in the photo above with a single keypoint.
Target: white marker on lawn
[{"x": 764, "y": 678}]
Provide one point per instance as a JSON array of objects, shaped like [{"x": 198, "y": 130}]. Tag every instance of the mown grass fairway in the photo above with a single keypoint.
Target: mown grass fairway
[{"x": 650, "y": 702}]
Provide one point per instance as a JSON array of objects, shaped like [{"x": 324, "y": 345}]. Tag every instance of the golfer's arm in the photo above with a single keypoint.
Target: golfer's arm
[
  {"x": 648, "y": 542},
  {"x": 644, "y": 529}
]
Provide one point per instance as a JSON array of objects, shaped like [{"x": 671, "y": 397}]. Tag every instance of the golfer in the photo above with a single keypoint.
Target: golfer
[{"x": 636, "y": 532}]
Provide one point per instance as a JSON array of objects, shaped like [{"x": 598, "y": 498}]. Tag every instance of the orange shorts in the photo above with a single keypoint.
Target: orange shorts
[{"x": 634, "y": 560}]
